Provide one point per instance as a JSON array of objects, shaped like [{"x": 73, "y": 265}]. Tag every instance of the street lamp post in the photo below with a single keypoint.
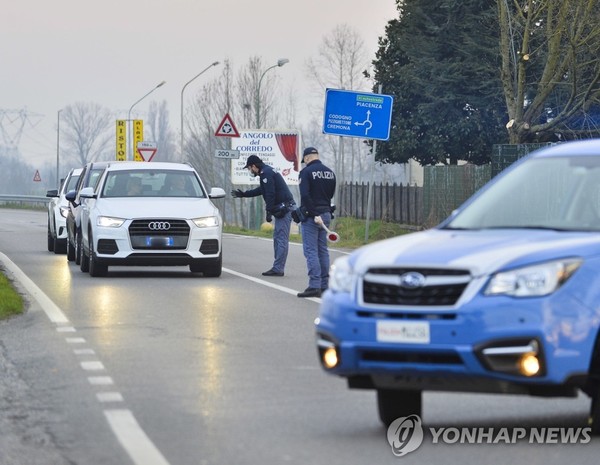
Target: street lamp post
[
  {"x": 58, "y": 149},
  {"x": 197, "y": 75},
  {"x": 129, "y": 115},
  {"x": 280, "y": 62}
]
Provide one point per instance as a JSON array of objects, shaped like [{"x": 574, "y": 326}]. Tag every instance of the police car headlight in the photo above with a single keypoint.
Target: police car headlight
[
  {"x": 341, "y": 275},
  {"x": 109, "y": 222},
  {"x": 533, "y": 281},
  {"x": 64, "y": 211},
  {"x": 206, "y": 222}
]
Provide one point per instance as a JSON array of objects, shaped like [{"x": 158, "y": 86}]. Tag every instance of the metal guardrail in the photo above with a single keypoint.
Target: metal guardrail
[{"x": 30, "y": 200}]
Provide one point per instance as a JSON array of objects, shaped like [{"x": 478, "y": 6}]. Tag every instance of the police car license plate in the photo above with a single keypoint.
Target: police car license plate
[{"x": 411, "y": 332}]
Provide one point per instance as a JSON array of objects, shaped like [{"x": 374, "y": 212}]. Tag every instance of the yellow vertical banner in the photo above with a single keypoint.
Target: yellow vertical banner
[
  {"x": 121, "y": 132},
  {"x": 138, "y": 136}
]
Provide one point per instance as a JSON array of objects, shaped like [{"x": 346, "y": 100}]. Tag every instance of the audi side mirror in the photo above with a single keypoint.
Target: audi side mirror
[{"x": 216, "y": 193}]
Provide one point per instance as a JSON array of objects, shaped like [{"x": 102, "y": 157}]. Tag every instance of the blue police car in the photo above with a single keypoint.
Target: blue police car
[{"x": 502, "y": 297}]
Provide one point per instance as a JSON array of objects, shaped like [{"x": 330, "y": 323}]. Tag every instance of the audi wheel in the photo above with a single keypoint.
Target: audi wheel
[
  {"x": 70, "y": 251},
  {"x": 95, "y": 268},
  {"x": 84, "y": 261},
  {"x": 77, "y": 247},
  {"x": 50, "y": 238},
  {"x": 209, "y": 268}
]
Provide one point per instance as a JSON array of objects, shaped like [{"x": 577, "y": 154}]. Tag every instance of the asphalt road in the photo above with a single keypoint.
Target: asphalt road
[{"x": 159, "y": 366}]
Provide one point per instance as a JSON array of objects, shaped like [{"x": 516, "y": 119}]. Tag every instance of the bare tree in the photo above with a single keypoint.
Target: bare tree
[
  {"x": 340, "y": 64},
  {"x": 210, "y": 105},
  {"x": 86, "y": 131},
  {"x": 234, "y": 94},
  {"x": 160, "y": 132},
  {"x": 253, "y": 74},
  {"x": 550, "y": 68}
]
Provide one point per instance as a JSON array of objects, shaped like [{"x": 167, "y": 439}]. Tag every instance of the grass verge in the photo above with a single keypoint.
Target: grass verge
[
  {"x": 11, "y": 302},
  {"x": 23, "y": 206},
  {"x": 351, "y": 231}
]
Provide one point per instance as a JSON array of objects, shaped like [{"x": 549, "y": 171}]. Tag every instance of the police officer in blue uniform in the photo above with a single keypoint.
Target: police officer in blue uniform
[
  {"x": 279, "y": 202},
  {"x": 317, "y": 188}
]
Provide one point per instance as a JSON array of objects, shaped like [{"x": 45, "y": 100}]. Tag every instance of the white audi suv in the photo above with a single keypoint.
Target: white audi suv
[{"x": 157, "y": 214}]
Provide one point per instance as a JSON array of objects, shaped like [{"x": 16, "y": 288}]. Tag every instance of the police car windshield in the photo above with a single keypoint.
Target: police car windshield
[{"x": 560, "y": 193}]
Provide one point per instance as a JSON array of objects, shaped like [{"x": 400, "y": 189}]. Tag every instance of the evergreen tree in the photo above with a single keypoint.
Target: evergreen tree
[{"x": 440, "y": 60}]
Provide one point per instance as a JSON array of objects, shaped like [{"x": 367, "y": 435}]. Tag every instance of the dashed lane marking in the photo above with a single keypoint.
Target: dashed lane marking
[
  {"x": 139, "y": 447},
  {"x": 128, "y": 432},
  {"x": 92, "y": 365}
]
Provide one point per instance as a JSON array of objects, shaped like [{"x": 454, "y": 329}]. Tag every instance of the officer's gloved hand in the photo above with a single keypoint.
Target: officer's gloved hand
[
  {"x": 238, "y": 193},
  {"x": 269, "y": 218}
]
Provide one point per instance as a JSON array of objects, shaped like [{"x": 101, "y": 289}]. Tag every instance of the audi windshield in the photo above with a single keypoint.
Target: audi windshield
[{"x": 152, "y": 183}]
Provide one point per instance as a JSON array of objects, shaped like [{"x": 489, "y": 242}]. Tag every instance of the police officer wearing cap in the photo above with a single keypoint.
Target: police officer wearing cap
[
  {"x": 317, "y": 187},
  {"x": 279, "y": 202}
]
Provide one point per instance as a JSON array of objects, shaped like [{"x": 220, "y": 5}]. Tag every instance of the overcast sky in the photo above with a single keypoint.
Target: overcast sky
[{"x": 54, "y": 53}]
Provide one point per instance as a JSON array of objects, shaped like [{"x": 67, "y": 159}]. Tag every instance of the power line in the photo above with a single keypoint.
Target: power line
[{"x": 12, "y": 124}]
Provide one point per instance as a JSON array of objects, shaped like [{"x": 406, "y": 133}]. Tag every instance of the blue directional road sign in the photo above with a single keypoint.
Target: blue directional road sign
[{"x": 357, "y": 114}]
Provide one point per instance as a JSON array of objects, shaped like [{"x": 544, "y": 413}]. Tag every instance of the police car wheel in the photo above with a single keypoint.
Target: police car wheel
[{"x": 394, "y": 404}]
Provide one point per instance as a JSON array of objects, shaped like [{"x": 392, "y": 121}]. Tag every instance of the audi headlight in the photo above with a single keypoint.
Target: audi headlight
[
  {"x": 109, "y": 222},
  {"x": 64, "y": 211},
  {"x": 206, "y": 222},
  {"x": 533, "y": 281},
  {"x": 341, "y": 275}
]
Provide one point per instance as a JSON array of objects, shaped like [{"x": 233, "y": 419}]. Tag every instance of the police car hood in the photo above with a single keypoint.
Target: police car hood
[{"x": 479, "y": 251}]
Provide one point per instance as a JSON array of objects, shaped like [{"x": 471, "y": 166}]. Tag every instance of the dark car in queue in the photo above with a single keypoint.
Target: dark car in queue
[{"x": 89, "y": 177}]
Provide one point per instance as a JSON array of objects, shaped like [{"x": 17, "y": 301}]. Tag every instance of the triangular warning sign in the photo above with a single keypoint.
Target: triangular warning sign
[
  {"x": 227, "y": 128},
  {"x": 36, "y": 176}
]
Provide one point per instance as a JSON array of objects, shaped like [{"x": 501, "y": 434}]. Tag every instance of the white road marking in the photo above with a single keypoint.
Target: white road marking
[
  {"x": 65, "y": 329},
  {"x": 84, "y": 352},
  {"x": 139, "y": 447},
  {"x": 55, "y": 314},
  {"x": 100, "y": 380},
  {"x": 109, "y": 397},
  {"x": 287, "y": 290},
  {"x": 128, "y": 432},
  {"x": 93, "y": 365}
]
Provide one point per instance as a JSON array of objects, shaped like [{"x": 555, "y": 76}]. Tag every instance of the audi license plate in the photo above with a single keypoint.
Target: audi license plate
[
  {"x": 159, "y": 241},
  {"x": 411, "y": 332}
]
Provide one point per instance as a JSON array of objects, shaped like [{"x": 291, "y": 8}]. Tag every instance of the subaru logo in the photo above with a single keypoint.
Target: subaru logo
[
  {"x": 412, "y": 280},
  {"x": 159, "y": 225}
]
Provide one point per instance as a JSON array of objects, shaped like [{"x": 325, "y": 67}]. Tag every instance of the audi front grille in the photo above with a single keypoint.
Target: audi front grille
[
  {"x": 159, "y": 234},
  {"x": 391, "y": 286}
]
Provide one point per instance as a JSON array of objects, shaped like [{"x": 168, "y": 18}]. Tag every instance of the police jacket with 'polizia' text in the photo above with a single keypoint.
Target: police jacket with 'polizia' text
[{"x": 317, "y": 187}]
